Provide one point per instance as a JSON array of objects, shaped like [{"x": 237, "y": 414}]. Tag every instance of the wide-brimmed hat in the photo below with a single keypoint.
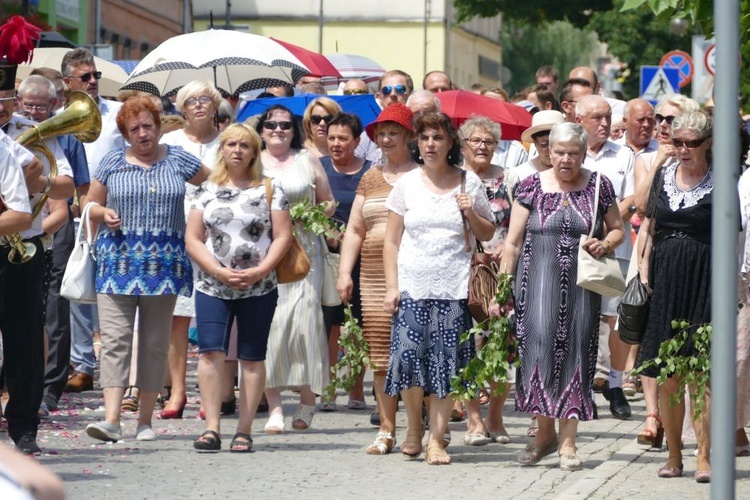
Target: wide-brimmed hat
[
  {"x": 541, "y": 121},
  {"x": 397, "y": 113}
]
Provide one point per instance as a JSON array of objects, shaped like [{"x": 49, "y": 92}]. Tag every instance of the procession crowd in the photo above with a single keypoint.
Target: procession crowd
[{"x": 190, "y": 215}]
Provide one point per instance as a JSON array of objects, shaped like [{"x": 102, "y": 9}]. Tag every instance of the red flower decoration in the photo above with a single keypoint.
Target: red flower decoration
[{"x": 17, "y": 40}]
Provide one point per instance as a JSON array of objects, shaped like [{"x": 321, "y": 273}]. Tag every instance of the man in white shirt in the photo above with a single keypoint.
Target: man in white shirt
[
  {"x": 79, "y": 73},
  {"x": 394, "y": 86},
  {"x": 509, "y": 154},
  {"x": 616, "y": 163}
]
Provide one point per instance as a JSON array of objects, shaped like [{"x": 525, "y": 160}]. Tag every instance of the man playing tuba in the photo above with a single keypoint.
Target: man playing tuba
[{"x": 21, "y": 290}]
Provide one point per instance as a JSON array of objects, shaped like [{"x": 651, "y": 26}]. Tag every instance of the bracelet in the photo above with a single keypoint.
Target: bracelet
[{"x": 48, "y": 186}]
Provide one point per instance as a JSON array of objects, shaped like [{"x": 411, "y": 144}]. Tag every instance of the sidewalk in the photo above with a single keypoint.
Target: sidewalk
[{"x": 328, "y": 461}]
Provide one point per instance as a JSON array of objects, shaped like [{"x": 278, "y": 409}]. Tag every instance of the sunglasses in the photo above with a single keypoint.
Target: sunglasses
[
  {"x": 660, "y": 118},
  {"x": 316, "y": 119},
  {"x": 97, "y": 75},
  {"x": 270, "y": 125},
  {"x": 223, "y": 118},
  {"x": 689, "y": 144},
  {"x": 355, "y": 92},
  {"x": 400, "y": 89}
]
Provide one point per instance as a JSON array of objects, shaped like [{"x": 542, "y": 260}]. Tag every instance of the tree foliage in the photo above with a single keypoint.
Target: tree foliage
[{"x": 532, "y": 11}]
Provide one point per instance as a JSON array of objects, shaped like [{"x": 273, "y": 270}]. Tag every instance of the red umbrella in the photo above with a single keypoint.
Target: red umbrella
[
  {"x": 318, "y": 63},
  {"x": 462, "y": 105}
]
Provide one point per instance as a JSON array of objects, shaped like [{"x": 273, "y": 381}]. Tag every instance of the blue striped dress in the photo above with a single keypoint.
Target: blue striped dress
[{"x": 146, "y": 255}]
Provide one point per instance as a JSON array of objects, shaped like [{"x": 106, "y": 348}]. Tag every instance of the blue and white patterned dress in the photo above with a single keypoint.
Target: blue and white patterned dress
[{"x": 146, "y": 255}]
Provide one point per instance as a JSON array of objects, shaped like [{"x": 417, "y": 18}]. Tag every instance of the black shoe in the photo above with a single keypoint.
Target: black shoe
[
  {"x": 375, "y": 419},
  {"x": 26, "y": 445},
  {"x": 229, "y": 407},
  {"x": 618, "y": 403}
]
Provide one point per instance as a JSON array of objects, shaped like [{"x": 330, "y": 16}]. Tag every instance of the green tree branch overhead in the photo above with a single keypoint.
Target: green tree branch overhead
[{"x": 577, "y": 12}]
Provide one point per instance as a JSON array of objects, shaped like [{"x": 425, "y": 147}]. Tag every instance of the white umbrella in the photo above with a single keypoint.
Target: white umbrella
[
  {"x": 353, "y": 66},
  {"x": 113, "y": 76},
  {"x": 233, "y": 61}
]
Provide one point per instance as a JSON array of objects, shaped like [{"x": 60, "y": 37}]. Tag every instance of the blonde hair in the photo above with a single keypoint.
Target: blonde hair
[
  {"x": 324, "y": 102},
  {"x": 239, "y": 131},
  {"x": 197, "y": 87}
]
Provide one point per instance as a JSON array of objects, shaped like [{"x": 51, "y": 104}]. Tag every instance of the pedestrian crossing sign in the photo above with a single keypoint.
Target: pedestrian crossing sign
[{"x": 658, "y": 81}]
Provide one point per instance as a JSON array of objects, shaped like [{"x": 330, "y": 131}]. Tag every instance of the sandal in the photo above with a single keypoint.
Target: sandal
[
  {"x": 164, "y": 396},
  {"x": 436, "y": 455},
  {"x": 411, "y": 448},
  {"x": 533, "y": 427},
  {"x": 303, "y": 417},
  {"x": 650, "y": 438},
  {"x": 383, "y": 444},
  {"x": 241, "y": 443},
  {"x": 484, "y": 397},
  {"x": 356, "y": 404},
  {"x": 457, "y": 415},
  {"x": 129, "y": 401},
  {"x": 275, "y": 424},
  {"x": 208, "y": 442}
]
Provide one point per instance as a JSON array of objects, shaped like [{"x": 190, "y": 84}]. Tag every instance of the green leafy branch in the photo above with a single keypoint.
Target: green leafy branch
[
  {"x": 691, "y": 371},
  {"x": 313, "y": 218},
  {"x": 494, "y": 361},
  {"x": 356, "y": 358}
]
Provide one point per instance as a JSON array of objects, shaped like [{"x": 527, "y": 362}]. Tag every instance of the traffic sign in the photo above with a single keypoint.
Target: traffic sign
[
  {"x": 710, "y": 59},
  {"x": 681, "y": 61},
  {"x": 657, "y": 82}
]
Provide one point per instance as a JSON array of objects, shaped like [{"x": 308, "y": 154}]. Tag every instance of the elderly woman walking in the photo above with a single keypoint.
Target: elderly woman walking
[
  {"x": 142, "y": 262},
  {"x": 558, "y": 321}
]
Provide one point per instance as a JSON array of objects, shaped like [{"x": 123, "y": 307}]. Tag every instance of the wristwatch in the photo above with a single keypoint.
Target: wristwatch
[{"x": 631, "y": 209}]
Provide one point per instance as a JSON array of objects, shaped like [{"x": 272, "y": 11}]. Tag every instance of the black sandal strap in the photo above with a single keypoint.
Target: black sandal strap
[
  {"x": 209, "y": 440},
  {"x": 236, "y": 441}
]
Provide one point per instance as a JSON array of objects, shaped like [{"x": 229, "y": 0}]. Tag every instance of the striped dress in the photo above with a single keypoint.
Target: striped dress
[
  {"x": 146, "y": 255},
  {"x": 297, "y": 344}
]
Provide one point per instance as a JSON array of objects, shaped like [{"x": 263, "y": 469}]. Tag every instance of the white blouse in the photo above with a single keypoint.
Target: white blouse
[{"x": 432, "y": 261}]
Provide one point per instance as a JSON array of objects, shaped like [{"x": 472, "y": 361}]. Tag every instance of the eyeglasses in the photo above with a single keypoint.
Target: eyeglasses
[
  {"x": 34, "y": 107},
  {"x": 6, "y": 99},
  {"x": 316, "y": 119},
  {"x": 355, "y": 92},
  {"x": 660, "y": 118},
  {"x": 387, "y": 89},
  {"x": 270, "y": 125},
  {"x": 690, "y": 144},
  {"x": 476, "y": 142},
  {"x": 97, "y": 75},
  {"x": 192, "y": 101}
]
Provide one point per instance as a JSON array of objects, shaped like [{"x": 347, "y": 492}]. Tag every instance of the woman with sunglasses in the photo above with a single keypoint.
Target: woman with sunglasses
[
  {"x": 315, "y": 120},
  {"x": 646, "y": 167},
  {"x": 297, "y": 345},
  {"x": 677, "y": 265},
  {"x": 198, "y": 102}
]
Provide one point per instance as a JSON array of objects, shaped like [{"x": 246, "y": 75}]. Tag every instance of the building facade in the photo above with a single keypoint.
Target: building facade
[{"x": 416, "y": 36}]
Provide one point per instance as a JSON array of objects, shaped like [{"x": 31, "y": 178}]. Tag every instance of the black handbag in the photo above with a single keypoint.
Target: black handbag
[{"x": 633, "y": 309}]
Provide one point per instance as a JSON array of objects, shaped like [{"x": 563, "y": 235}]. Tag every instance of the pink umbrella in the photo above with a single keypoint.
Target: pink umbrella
[
  {"x": 462, "y": 105},
  {"x": 353, "y": 66}
]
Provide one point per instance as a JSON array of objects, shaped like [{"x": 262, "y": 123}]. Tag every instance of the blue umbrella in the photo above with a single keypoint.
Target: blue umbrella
[{"x": 364, "y": 106}]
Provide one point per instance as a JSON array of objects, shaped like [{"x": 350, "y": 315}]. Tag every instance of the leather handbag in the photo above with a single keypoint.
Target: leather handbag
[
  {"x": 482, "y": 273},
  {"x": 632, "y": 311},
  {"x": 295, "y": 264},
  {"x": 603, "y": 275},
  {"x": 329, "y": 295},
  {"x": 79, "y": 279}
]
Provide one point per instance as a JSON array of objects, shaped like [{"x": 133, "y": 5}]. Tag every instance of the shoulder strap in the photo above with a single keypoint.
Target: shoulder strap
[
  {"x": 463, "y": 217},
  {"x": 652, "y": 199},
  {"x": 596, "y": 202}
]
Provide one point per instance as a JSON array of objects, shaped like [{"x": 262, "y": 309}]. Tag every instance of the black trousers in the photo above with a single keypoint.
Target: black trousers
[
  {"x": 22, "y": 323},
  {"x": 58, "y": 318}
]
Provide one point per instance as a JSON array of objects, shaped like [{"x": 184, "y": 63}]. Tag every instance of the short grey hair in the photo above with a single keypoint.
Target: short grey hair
[
  {"x": 583, "y": 104},
  {"x": 37, "y": 84},
  {"x": 423, "y": 94},
  {"x": 197, "y": 87},
  {"x": 481, "y": 122},
  {"x": 695, "y": 121},
  {"x": 74, "y": 58},
  {"x": 566, "y": 132},
  {"x": 679, "y": 101},
  {"x": 226, "y": 109}
]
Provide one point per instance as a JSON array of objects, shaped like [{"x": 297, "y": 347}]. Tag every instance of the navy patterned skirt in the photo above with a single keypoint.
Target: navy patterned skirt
[{"x": 425, "y": 349}]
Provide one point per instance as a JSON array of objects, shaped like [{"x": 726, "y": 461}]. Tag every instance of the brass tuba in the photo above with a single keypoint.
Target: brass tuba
[{"x": 81, "y": 118}]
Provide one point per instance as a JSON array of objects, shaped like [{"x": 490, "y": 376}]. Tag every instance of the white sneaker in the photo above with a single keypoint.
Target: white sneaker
[
  {"x": 104, "y": 431},
  {"x": 145, "y": 433}
]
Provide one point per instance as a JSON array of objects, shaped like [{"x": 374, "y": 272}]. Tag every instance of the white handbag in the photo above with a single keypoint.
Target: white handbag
[
  {"x": 79, "y": 279},
  {"x": 602, "y": 275},
  {"x": 329, "y": 295}
]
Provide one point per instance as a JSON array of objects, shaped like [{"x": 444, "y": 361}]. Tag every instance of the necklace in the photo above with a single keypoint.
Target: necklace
[{"x": 395, "y": 170}]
